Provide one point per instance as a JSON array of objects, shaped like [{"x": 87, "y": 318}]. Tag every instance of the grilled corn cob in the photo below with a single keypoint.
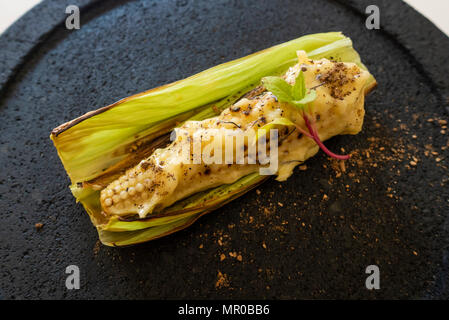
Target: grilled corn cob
[
  {"x": 103, "y": 149},
  {"x": 160, "y": 180}
]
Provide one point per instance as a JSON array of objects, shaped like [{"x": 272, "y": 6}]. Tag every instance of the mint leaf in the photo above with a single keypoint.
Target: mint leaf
[
  {"x": 284, "y": 92},
  {"x": 279, "y": 87},
  {"x": 309, "y": 97},
  {"x": 299, "y": 88}
]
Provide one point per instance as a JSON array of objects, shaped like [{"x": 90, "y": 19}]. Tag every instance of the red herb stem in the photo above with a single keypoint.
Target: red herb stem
[{"x": 314, "y": 135}]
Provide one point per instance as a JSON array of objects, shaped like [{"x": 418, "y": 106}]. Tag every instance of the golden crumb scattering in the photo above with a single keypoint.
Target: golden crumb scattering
[{"x": 222, "y": 280}]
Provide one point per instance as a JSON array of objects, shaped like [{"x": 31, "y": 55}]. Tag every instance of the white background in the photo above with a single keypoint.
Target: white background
[{"x": 435, "y": 10}]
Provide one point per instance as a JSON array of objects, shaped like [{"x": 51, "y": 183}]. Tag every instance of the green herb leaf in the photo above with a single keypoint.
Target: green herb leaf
[
  {"x": 299, "y": 88},
  {"x": 279, "y": 87},
  {"x": 309, "y": 97},
  {"x": 266, "y": 128},
  {"x": 284, "y": 92}
]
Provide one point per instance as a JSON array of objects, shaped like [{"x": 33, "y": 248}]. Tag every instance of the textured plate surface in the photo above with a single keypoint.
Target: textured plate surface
[{"x": 310, "y": 237}]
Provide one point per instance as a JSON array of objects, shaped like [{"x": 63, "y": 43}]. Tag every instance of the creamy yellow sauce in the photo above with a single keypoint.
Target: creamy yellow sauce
[{"x": 161, "y": 180}]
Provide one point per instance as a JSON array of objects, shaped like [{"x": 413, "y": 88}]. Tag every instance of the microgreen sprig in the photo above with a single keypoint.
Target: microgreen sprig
[
  {"x": 300, "y": 97},
  {"x": 296, "y": 94}
]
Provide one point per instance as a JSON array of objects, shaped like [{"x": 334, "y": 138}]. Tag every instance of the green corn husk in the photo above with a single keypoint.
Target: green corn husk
[{"x": 97, "y": 147}]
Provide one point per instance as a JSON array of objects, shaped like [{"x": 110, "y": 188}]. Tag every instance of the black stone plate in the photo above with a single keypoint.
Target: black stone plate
[{"x": 310, "y": 237}]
